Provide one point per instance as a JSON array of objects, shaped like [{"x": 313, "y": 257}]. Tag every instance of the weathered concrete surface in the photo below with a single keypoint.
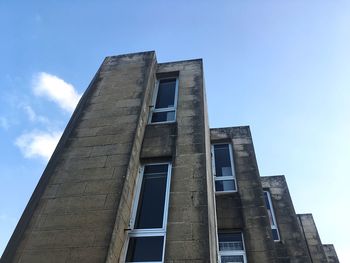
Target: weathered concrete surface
[
  {"x": 124, "y": 206},
  {"x": 248, "y": 204},
  {"x": 191, "y": 231},
  {"x": 308, "y": 227},
  {"x": 229, "y": 211},
  {"x": 159, "y": 140},
  {"x": 292, "y": 247},
  {"x": 74, "y": 215},
  {"x": 331, "y": 254}
]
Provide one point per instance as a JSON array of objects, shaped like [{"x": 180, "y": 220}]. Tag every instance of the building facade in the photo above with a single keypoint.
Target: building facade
[{"x": 138, "y": 176}]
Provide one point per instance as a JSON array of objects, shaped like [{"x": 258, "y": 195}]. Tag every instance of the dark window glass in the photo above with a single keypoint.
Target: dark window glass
[
  {"x": 166, "y": 93},
  {"x": 225, "y": 185},
  {"x": 145, "y": 249},
  {"x": 275, "y": 234},
  {"x": 232, "y": 259},
  {"x": 222, "y": 160},
  {"x": 163, "y": 116},
  {"x": 230, "y": 241},
  {"x": 150, "y": 208},
  {"x": 154, "y": 169},
  {"x": 267, "y": 200}
]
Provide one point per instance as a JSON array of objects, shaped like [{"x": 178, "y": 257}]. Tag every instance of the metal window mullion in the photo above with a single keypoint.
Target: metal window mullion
[
  {"x": 243, "y": 243},
  {"x": 154, "y": 100},
  {"x": 213, "y": 160},
  {"x": 166, "y": 206},
  {"x": 176, "y": 96},
  {"x": 224, "y": 178},
  {"x": 167, "y": 196},
  {"x": 164, "y": 109},
  {"x": 143, "y": 261},
  {"x": 138, "y": 186},
  {"x": 147, "y": 231},
  {"x": 232, "y": 166}
]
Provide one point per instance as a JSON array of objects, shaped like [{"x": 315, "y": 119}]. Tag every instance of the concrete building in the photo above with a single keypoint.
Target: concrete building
[{"x": 138, "y": 176}]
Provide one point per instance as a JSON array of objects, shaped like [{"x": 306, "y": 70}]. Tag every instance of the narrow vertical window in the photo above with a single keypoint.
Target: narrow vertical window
[
  {"x": 272, "y": 218},
  {"x": 231, "y": 247},
  {"x": 223, "y": 168},
  {"x": 146, "y": 240},
  {"x": 165, "y": 100}
]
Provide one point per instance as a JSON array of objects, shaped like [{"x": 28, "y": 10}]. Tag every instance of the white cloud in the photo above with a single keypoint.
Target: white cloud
[
  {"x": 4, "y": 123},
  {"x": 38, "y": 143},
  {"x": 33, "y": 116},
  {"x": 57, "y": 90}
]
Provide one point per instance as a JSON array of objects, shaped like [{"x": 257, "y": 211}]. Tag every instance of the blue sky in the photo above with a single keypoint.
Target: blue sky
[{"x": 282, "y": 67}]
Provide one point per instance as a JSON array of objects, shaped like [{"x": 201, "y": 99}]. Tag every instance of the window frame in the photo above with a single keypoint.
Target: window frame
[
  {"x": 154, "y": 101},
  {"x": 148, "y": 232},
  {"x": 233, "y": 252},
  {"x": 224, "y": 178},
  {"x": 274, "y": 226}
]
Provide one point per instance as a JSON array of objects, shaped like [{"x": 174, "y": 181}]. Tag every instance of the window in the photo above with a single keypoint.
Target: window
[
  {"x": 146, "y": 240},
  {"x": 223, "y": 168},
  {"x": 231, "y": 247},
  {"x": 268, "y": 202},
  {"x": 164, "y": 108}
]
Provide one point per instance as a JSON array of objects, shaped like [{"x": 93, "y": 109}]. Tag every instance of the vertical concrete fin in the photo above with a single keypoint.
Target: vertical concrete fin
[
  {"x": 292, "y": 242},
  {"x": 124, "y": 206},
  {"x": 212, "y": 217},
  {"x": 312, "y": 238}
]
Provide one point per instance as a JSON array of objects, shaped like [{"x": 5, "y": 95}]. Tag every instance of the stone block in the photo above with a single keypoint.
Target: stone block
[
  {"x": 180, "y": 250},
  {"x": 111, "y": 149},
  {"x": 87, "y": 255},
  {"x": 48, "y": 255},
  {"x": 84, "y": 163},
  {"x": 117, "y": 160},
  {"x": 101, "y": 187},
  {"x": 84, "y": 174},
  {"x": 179, "y": 231},
  {"x": 71, "y": 189}
]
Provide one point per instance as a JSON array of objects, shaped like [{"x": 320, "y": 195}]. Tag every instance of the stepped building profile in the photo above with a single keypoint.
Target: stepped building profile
[{"x": 138, "y": 176}]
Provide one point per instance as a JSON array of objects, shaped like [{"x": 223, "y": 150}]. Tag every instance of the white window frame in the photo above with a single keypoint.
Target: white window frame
[
  {"x": 224, "y": 178},
  {"x": 149, "y": 232},
  {"x": 154, "y": 100},
  {"x": 234, "y": 252},
  {"x": 274, "y": 225}
]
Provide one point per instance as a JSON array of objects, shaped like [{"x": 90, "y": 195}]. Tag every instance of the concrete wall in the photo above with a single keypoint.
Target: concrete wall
[
  {"x": 331, "y": 254},
  {"x": 245, "y": 209},
  {"x": 312, "y": 238},
  {"x": 188, "y": 236},
  {"x": 292, "y": 247},
  {"x": 72, "y": 213}
]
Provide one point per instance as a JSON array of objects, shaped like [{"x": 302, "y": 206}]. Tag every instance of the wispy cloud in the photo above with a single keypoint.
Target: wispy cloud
[
  {"x": 5, "y": 217},
  {"x": 4, "y": 123},
  {"x": 57, "y": 90},
  {"x": 38, "y": 143},
  {"x": 33, "y": 116}
]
